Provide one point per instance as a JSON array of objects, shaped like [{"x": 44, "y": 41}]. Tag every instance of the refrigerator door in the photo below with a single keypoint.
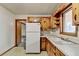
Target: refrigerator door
[
  {"x": 32, "y": 42},
  {"x": 32, "y": 27}
]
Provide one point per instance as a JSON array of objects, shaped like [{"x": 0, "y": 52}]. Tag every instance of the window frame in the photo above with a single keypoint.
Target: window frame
[{"x": 62, "y": 22}]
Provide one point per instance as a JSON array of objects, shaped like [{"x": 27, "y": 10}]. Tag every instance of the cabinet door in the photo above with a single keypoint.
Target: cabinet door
[
  {"x": 48, "y": 48},
  {"x": 75, "y": 12},
  {"x": 53, "y": 50},
  {"x": 49, "y": 51},
  {"x": 43, "y": 43},
  {"x": 43, "y": 46},
  {"x": 59, "y": 53},
  {"x": 45, "y": 23}
]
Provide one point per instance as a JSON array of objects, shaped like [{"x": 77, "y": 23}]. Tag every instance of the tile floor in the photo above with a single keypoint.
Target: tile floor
[{"x": 19, "y": 51}]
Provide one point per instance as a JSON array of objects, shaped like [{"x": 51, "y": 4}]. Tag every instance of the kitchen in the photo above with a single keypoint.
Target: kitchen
[{"x": 56, "y": 34}]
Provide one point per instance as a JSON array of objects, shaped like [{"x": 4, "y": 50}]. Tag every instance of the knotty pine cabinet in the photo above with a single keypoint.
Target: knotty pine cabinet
[
  {"x": 43, "y": 43},
  {"x": 48, "y": 48},
  {"x": 58, "y": 52},
  {"x": 51, "y": 49},
  {"x": 75, "y": 13},
  {"x": 45, "y": 23}
]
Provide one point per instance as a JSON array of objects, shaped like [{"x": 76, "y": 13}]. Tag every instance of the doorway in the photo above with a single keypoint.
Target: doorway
[{"x": 20, "y": 34}]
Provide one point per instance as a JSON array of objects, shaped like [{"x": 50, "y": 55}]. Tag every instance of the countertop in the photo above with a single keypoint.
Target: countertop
[{"x": 67, "y": 49}]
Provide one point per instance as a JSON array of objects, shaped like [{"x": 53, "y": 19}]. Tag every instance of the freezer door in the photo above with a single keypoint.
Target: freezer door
[
  {"x": 33, "y": 43},
  {"x": 32, "y": 27}
]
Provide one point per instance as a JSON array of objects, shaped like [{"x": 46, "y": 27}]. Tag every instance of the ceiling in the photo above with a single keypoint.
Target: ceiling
[{"x": 31, "y": 8}]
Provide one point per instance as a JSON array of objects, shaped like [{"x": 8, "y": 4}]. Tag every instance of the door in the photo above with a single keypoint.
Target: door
[
  {"x": 18, "y": 33},
  {"x": 32, "y": 42},
  {"x": 32, "y": 37},
  {"x": 32, "y": 27},
  {"x": 18, "y": 29}
]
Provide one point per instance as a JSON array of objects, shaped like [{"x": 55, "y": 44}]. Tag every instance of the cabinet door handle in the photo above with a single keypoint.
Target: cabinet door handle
[{"x": 75, "y": 17}]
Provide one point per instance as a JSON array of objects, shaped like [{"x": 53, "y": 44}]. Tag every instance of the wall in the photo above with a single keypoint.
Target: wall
[
  {"x": 25, "y": 16},
  {"x": 7, "y": 30}
]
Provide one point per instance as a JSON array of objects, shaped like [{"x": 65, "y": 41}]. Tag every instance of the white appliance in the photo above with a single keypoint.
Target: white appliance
[{"x": 32, "y": 37}]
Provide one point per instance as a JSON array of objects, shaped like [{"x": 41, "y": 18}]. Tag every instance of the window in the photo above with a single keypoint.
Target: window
[{"x": 67, "y": 27}]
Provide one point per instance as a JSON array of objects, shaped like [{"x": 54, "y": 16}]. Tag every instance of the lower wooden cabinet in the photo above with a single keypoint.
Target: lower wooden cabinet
[
  {"x": 51, "y": 49},
  {"x": 48, "y": 48},
  {"x": 43, "y": 43},
  {"x": 59, "y": 53}
]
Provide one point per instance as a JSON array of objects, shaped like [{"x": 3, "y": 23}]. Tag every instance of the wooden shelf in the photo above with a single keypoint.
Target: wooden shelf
[{"x": 55, "y": 22}]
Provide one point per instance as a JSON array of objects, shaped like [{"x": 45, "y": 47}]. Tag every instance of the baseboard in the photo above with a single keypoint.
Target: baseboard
[{"x": 7, "y": 51}]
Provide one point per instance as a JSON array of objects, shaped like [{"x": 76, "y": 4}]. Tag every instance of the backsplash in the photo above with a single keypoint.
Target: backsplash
[{"x": 55, "y": 31}]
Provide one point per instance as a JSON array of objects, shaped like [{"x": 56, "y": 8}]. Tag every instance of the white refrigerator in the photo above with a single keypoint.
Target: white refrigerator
[{"x": 32, "y": 37}]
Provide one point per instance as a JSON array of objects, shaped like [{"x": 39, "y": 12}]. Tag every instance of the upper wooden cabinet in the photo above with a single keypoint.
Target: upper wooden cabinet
[
  {"x": 45, "y": 23},
  {"x": 75, "y": 12}
]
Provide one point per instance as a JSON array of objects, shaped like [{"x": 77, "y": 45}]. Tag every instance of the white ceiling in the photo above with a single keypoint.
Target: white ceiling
[{"x": 31, "y": 8}]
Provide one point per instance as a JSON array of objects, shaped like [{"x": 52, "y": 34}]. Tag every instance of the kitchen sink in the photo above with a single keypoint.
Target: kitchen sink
[
  {"x": 63, "y": 43},
  {"x": 60, "y": 40}
]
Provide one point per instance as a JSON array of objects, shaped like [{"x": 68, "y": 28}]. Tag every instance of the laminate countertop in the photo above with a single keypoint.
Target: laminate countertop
[{"x": 68, "y": 48}]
